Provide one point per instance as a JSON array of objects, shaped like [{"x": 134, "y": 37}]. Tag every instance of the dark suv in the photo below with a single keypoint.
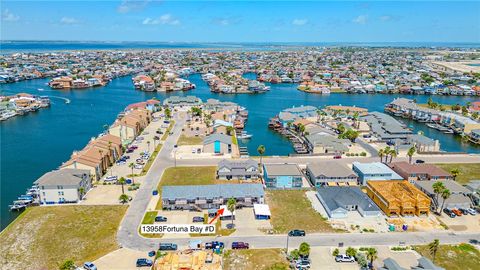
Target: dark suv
[
  {"x": 160, "y": 219},
  {"x": 167, "y": 246},
  {"x": 296, "y": 233},
  {"x": 144, "y": 262},
  {"x": 214, "y": 244},
  {"x": 240, "y": 245}
]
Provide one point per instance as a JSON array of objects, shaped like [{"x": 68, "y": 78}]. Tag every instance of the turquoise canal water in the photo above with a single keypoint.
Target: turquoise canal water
[{"x": 36, "y": 143}]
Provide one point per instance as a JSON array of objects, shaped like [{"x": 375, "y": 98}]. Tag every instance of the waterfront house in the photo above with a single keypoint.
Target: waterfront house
[
  {"x": 374, "y": 171},
  {"x": 474, "y": 136},
  {"x": 63, "y": 186},
  {"x": 198, "y": 197},
  {"x": 345, "y": 111},
  {"x": 459, "y": 197},
  {"x": 303, "y": 112},
  {"x": 422, "y": 143},
  {"x": 244, "y": 169},
  {"x": 398, "y": 197},
  {"x": 178, "y": 101},
  {"x": 330, "y": 174},
  {"x": 282, "y": 175},
  {"x": 322, "y": 143},
  {"x": 131, "y": 124},
  {"x": 221, "y": 126},
  {"x": 152, "y": 105},
  {"x": 385, "y": 127},
  {"x": 423, "y": 171},
  {"x": 339, "y": 201},
  {"x": 218, "y": 144}
]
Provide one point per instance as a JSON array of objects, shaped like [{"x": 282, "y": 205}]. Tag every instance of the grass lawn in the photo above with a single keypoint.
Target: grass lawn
[
  {"x": 149, "y": 218},
  {"x": 180, "y": 176},
  {"x": 468, "y": 171},
  {"x": 196, "y": 175},
  {"x": 291, "y": 209},
  {"x": 44, "y": 237},
  {"x": 187, "y": 140},
  {"x": 451, "y": 257},
  {"x": 261, "y": 259}
]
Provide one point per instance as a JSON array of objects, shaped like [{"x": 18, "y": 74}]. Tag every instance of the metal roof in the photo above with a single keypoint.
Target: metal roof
[{"x": 193, "y": 192}]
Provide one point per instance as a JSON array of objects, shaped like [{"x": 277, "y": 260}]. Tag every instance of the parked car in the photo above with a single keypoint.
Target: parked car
[
  {"x": 240, "y": 245},
  {"x": 449, "y": 212},
  {"x": 152, "y": 253},
  {"x": 471, "y": 211},
  {"x": 337, "y": 157},
  {"x": 344, "y": 258},
  {"x": 159, "y": 132},
  {"x": 457, "y": 212},
  {"x": 130, "y": 150},
  {"x": 144, "y": 262},
  {"x": 464, "y": 211},
  {"x": 160, "y": 219},
  {"x": 214, "y": 244},
  {"x": 111, "y": 178},
  {"x": 89, "y": 266},
  {"x": 167, "y": 246},
  {"x": 303, "y": 264},
  {"x": 198, "y": 219},
  {"x": 296, "y": 233},
  {"x": 166, "y": 122},
  {"x": 419, "y": 161},
  {"x": 138, "y": 166}
]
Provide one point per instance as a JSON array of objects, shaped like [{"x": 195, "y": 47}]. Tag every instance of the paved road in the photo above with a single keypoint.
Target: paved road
[
  {"x": 461, "y": 158},
  {"x": 128, "y": 232}
]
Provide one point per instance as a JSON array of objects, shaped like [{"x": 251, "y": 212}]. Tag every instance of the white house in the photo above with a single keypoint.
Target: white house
[{"x": 63, "y": 186}]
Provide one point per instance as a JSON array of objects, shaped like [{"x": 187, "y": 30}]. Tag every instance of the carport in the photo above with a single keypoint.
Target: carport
[{"x": 262, "y": 211}]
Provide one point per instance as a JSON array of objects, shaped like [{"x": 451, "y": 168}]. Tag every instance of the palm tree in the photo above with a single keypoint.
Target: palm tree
[
  {"x": 386, "y": 152},
  {"x": 261, "y": 150},
  {"x": 433, "y": 248},
  {"x": 372, "y": 255},
  {"x": 393, "y": 154},
  {"x": 122, "y": 182},
  {"x": 381, "y": 154},
  {"x": 410, "y": 153},
  {"x": 131, "y": 166},
  {"x": 455, "y": 172},
  {"x": 81, "y": 190},
  {"x": 438, "y": 188},
  {"x": 231, "y": 205},
  {"x": 123, "y": 198},
  {"x": 355, "y": 119},
  {"x": 445, "y": 195}
]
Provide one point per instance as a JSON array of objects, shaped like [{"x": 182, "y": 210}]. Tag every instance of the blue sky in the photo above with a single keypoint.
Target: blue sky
[{"x": 242, "y": 21}]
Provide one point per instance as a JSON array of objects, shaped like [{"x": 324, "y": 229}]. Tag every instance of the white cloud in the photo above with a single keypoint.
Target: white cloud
[
  {"x": 361, "y": 19},
  {"x": 225, "y": 21},
  {"x": 167, "y": 19},
  {"x": 7, "y": 16},
  {"x": 385, "y": 18},
  {"x": 69, "y": 20},
  {"x": 299, "y": 22},
  {"x": 132, "y": 5}
]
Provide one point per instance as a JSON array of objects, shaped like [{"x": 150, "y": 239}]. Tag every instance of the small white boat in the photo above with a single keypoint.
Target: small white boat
[
  {"x": 244, "y": 135},
  {"x": 17, "y": 205}
]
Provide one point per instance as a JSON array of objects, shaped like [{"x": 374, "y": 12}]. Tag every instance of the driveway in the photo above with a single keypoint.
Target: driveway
[{"x": 322, "y": 259}]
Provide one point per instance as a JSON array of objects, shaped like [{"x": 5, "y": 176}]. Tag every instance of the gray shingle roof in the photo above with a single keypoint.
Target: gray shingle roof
[
  {"x": 212, "y": 191},
  {"x": 330, "y": 169},
  {"x": 70, "y": 177},
  {"x": 338, "y": 197},
  {"x": 218, "y": 137},
  {"x": 451, "y": 185},
  {"x": 282, "y": 169}
]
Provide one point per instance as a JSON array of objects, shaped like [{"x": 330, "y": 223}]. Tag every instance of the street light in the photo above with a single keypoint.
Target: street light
[
  {"x": 288, "y": 236},
  {"x": 175, "y": 155}
]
